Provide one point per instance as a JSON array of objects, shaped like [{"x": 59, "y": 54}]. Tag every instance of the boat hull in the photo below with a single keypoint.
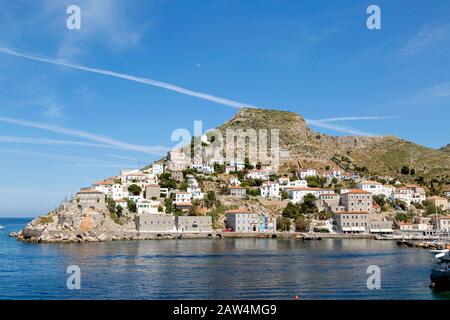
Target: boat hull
[{"x": 440, "y": 278}]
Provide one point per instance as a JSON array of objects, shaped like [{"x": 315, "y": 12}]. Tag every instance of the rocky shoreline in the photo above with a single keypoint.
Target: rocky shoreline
[{"x": 34, "y": 235}]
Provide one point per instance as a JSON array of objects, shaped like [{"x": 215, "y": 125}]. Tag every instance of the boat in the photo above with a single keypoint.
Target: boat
[
  {"x": 437, "y": 251},
  {"x": 2, "y": 227},
  {"x": 440, "y": 275}
]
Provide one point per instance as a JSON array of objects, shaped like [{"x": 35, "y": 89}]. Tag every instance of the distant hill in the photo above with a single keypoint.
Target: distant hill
[
  {"x": 446, "y": 148},
  {"x": 380, "y": 155}
]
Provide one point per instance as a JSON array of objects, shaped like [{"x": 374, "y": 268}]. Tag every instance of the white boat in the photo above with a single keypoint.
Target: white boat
[
  {"x": 2, "y": 227},
  {"x": 438, "y": 251}
]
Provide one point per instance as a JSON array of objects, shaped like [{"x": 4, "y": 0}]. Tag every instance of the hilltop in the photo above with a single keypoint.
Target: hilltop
[{"x": 383, "y": 156}]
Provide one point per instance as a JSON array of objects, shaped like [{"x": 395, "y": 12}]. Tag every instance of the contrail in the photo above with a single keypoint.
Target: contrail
[
  {"x": 357, "y": 118},
  {"x": 326, "y": 125},
  {"x": 155, "y": 150},
  {"x": 151, "y": 82}
]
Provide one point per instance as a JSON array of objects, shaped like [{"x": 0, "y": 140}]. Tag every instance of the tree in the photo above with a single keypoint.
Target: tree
[
  {"x": 170, "y": 208},
  {"x": 254, "y": 192},
  {"x": 131, "y": 205},
  {"x": 308, "y": 206},
  {"x": 284, "y": 195},
  {"x": 291, "y": 211},
  {"x": 166, "y": 181},
  {"x": 324, "y": 215},
  {"x": 135, "y": 189},
  {"x": 302, "y": 224},
  {"x": 119, "y": 210},
  {"x": 316, "y": 181},
  {"x": 404, "y": 170},
  {"x": 283, "y": 224},
  {"x": 183, "y": 186},
  {"x": 210, "y": 199},
  {"x": 111, "y": 205}
]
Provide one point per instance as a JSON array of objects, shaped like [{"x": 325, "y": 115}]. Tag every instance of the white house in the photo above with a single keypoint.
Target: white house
[
  {"x": 157, "y": 169},
  {"x": 375, "y": 188},
  {"x": 196, "y": 192},
  {"x": 182, "y": 197},
  {"x": 207, "y": 169},
  {"x": 270, "y": 189},
  {"x": 147, "y": 206},
  {"x": 387, "y": 190},
  {"x": 118, "y": 192},
  {"x": 104, "y": 186},
  {"x": 121, "y": 202},
  {"x": 230, "y": 168},
  {"x": 297, "y": 184},
  {"x": 283, "y": 180},
  {"x": 308, "y": 173},
  {"x": 234, "y": 181},
  {"x": 297, "y": 194},
  {"x": 256, "y": 174}
]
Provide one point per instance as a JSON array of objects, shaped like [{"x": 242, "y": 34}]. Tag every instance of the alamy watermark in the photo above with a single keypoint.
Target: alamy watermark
[
  {"x": 374, "y": 280},
  {"x": 74, "y": 280},
  {"x": 73, "y": 21},
  {"x": 233, "y": 145}
]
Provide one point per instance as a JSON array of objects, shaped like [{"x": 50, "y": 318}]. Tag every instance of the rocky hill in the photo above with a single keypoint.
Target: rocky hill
[
  {"x": 446, "y": 148},
  {"x": 380, "y": 155}
]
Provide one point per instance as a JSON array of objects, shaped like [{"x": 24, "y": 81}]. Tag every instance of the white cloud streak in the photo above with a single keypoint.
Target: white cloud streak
[
  {"x": 147, "y": 81},
  {"x": 329, "y": 126},
  {"x": 154, "y": 150},
  {"x": 356, "y": 118}
]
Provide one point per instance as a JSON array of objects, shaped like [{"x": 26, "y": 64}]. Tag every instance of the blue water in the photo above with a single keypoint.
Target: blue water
[{"x": 212, "y": 269}]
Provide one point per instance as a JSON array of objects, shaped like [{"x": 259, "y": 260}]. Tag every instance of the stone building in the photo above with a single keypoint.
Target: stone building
[
  {"x": 357, "y": 200},
  {"x": 352, "y": 221},
  {"x": 155, "y": 222},
  {"x": 193, "y": 223},
  {"x": 152, "y": 190}
]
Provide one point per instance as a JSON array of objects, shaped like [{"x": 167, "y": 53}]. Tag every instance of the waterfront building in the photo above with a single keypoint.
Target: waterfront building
[
  {"x": 155, "y": 222},
  {"x": 352, "y": 221},
  {"x": 243, "y": 220},
  {"x": 193, "y": 223}
]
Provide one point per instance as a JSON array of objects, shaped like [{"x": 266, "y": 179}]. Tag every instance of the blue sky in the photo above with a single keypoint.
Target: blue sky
[{"x": 62, "y": 128}]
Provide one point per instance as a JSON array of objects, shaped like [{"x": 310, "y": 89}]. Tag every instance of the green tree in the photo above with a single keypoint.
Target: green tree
[
  {"x": 316, "y": 181},
  {"x": 308, "y": 206},
  {"x": 404, "y": 170},
  {"x": 210, "y": 199},
  {"x": 131, "y": 205},
  {"x": 284, "y": 195},
  {"x": 302, "y": 224},
  {"x": 170, "y": 208},
  {"x": 291, "y": 211},
  {"x": 324, "y": 215},
  {"x": 283, "y": 224},
  {"x": 135, "y": 189}
]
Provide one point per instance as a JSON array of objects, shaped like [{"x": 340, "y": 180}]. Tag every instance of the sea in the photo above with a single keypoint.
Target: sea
[{"x": 196, "y": 269}]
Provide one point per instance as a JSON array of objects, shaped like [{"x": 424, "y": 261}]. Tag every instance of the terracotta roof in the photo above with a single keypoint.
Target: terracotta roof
[
  {"x": 244, "y": 210},
  {"x": 88, "y": 190},
  {"x": 357, "y": 191},
  {"x": 104, "y": 182}
]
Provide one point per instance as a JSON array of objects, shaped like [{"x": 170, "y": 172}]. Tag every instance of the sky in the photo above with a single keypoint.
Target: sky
[{"x": 77, "y": 106}]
